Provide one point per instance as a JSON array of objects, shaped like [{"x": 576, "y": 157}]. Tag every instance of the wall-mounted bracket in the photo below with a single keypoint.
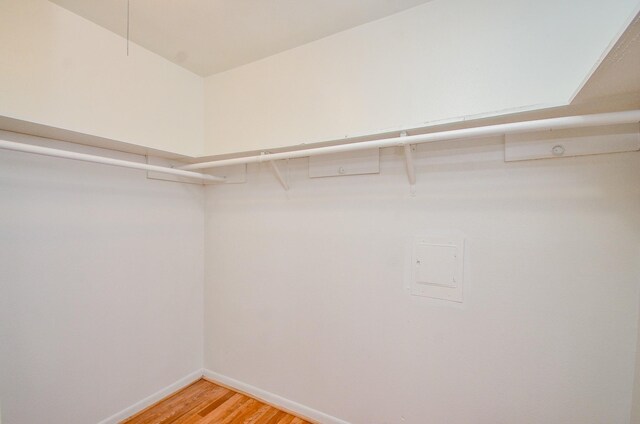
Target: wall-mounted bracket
[
  {"x": 232, "y": 174},
  {"x": 345, "y": 164},
  {"x": 278, "y": 175},
  {"x": 408, "y": 157},
  {"x": 567, "y": 142}
]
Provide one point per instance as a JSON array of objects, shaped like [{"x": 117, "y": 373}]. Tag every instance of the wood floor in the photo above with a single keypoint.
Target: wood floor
[{"x": 204, "y": 402}]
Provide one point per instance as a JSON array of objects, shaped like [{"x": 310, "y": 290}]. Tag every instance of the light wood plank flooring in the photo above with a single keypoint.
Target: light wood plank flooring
[{"x": 204, "y": 402}]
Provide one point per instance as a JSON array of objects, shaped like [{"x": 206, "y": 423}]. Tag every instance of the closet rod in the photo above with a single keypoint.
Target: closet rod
[
  {"x": 613, "y": 118},
  {"x": 46, "y": 151}
]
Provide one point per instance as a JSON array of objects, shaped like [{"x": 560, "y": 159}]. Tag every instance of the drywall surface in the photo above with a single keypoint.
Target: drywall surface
[
  {"x": 61, "y": 70},
  {"x": 438, "y": 62},
  {"x": 305, "y": 291},
  {"x": 635, "y": 410},
  {"x": 100, "y": 286}
]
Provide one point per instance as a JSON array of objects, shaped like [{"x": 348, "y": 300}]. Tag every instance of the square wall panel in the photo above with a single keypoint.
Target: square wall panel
[{"x": 438, "y": 266}]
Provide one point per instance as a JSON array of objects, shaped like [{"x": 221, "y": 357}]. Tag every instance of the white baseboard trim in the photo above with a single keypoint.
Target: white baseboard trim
[
  {"x": 150, "y": 400},
  {"x": 272, "y": 399}
]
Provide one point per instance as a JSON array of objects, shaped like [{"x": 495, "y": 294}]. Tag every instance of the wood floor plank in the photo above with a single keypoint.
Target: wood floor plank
[
  {"x": 189, "y": 405},
  {"x": 287, "y": 419},
  {"x": 237, "y": 412},
  {"x": 174, "y": 403},
  {"x": 249, "y": 411},
  {"x": 268, "y": 416},
  {"x": 204, "y": 402},
  {"x": 264, "y": 409},
  {"x": 155, "y": 409},
  {"x": 214, "y": 405},
  {"x": 274, "y": 418},
  {"x": 195, "y": 416},
  {"x": 218, "y": 414}
]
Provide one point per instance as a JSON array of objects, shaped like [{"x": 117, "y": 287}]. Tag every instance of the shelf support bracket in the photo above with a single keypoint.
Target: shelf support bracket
[
  {"x": 278, "y": 175},
  {"x": 408, "y": 157}
]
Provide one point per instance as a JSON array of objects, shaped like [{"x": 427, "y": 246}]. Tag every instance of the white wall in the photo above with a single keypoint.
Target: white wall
[
  {"x": 305, "y": 296},
  {"x": 635, "y": 407},
  {"x": 61, "y": 70},
  {"x": 101, "y": 279},
  {"x": 442, "y": 61}
]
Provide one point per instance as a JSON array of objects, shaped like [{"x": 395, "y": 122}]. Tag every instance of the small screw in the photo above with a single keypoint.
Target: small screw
[
  {"x": 557, "y": 150},
  {"x": 341, "y": 170}
]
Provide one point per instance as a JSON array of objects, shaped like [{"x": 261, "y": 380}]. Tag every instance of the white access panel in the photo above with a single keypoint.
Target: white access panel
[
  {"x": 438, "y": 267},
  {"x": 572, "y": 142},
  {"x": 347, "y": 163}
]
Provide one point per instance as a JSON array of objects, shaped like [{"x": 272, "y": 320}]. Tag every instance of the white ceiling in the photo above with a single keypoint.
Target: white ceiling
[
  {"x": 211, "y": 36},
  {"x": 619, "y": 72}
]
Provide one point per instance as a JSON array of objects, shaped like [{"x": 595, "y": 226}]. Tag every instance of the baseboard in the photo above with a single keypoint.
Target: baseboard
[
  {"x": 271, "y": 398},
  {"x": 150, "y": 400}
]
